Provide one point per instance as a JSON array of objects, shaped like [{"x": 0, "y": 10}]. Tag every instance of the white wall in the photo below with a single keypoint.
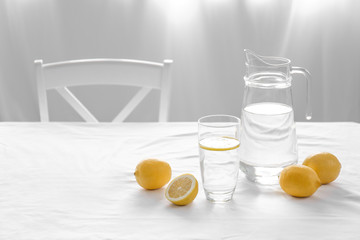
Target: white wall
[{"x": 204, "y": 38}]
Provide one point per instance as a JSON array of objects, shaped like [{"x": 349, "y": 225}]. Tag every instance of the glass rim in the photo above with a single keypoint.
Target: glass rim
[{"x": 209, "y": 124}]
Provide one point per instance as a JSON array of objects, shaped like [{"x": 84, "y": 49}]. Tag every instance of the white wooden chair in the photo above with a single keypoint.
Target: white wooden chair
[{"x": 142, "y": 74}]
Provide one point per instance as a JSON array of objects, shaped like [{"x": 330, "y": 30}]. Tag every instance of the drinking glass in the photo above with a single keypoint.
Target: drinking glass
[{"x": 219, "y": 142}]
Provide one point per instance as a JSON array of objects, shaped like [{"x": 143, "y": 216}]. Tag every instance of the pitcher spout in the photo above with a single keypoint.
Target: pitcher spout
[
  {"x": 254, "y": 59},
  {"x": 257, "y": 65}
]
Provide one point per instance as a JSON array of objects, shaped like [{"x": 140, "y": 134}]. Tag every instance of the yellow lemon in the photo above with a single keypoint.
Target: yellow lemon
[
  {"x": 182, "y": 190},
  {"x": 152, "y": 173},
  {"x": 299, "y": 180},
  {"x": 326, "y": 165}
]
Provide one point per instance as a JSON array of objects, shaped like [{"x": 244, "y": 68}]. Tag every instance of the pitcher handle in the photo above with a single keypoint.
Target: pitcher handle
[{"x": 307, "y": 76}]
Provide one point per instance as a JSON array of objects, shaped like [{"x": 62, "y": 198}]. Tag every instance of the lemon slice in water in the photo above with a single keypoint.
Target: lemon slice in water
[{"x": 219, "y": 143}]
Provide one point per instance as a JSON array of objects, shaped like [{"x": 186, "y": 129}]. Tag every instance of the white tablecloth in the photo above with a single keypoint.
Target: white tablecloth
[{"x": 75, "y": 181}]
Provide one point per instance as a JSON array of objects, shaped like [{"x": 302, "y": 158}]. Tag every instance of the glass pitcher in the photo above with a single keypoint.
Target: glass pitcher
[{"x": 268, "y": 139}]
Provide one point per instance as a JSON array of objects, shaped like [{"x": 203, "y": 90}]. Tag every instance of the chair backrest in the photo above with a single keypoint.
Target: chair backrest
[{"x": 142, "y": 74}]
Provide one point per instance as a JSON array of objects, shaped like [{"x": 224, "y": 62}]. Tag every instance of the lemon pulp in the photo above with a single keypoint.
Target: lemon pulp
[{"x": 180, "y": 187}]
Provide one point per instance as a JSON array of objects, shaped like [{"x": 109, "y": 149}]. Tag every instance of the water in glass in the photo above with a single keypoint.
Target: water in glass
[{"x": 219, "y": 162}]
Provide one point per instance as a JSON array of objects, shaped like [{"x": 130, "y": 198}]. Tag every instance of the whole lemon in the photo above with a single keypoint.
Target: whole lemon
[
  {"x": 299, "y": 180},
  {"x": 152, "y": 173},
  {"x": 325, "y": 164}
]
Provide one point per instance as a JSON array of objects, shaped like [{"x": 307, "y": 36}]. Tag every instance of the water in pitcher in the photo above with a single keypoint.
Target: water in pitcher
[{"x": 269, "y": 141}]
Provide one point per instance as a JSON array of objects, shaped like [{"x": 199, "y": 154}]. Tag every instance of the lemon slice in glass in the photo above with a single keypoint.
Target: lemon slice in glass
[
  {"x": 219, "y": 143},
  {"x": 182, "y": 190}
]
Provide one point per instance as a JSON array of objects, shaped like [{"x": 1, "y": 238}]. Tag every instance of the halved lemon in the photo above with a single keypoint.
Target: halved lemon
[{"x": 182, "y": 190}]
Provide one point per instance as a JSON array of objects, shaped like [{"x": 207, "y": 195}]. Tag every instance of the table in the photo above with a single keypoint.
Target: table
[{"x": 75, "y": 181}]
